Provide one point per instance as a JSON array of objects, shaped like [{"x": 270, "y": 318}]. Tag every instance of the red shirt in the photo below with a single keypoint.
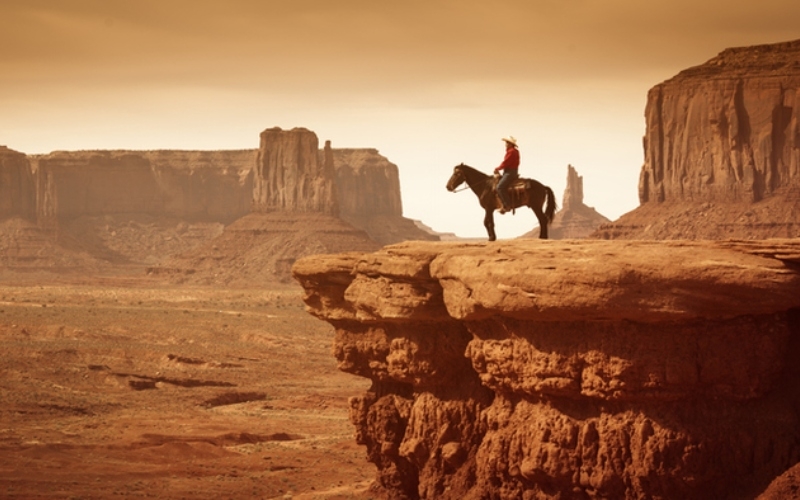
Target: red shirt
[{"x": 511, "y": 161}]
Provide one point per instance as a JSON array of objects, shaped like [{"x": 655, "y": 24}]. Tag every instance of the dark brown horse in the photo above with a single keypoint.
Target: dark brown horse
[{"x": 522, "y": 192}]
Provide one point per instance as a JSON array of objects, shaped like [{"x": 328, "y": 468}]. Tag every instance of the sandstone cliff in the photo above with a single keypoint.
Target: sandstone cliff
[
  {"x": 154, "y": 207},
  {"x": 368, "y": 190},
  {"x": 575, "y": 219},
  {"x": 192, "y": 185},
  {"x": 306, "y": 201},
  {"x": 16, "y": 185},
  {"x": 725, "y": 133},
  {"x": 591, "y": 369},
  {"x": 367, "y": 183},
  {"x": 292, "y": 176}
]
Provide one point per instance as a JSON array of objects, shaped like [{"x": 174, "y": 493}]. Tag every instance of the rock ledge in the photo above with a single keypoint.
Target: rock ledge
[{"x": 569, "y": 369}]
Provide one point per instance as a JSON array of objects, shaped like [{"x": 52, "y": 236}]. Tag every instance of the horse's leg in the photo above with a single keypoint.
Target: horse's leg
[
  {"x": 537, "y": 209},
  {"x": 488, "y": 221}
]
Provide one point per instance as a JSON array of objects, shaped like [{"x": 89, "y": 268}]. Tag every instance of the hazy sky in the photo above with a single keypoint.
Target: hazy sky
[{"x": 428, "y": 83}]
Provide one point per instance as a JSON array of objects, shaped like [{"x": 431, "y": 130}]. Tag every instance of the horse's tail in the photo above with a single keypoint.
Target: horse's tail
[{"x": 552, "y": 206}]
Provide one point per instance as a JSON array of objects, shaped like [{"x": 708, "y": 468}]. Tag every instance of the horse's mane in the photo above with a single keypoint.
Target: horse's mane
[
  {"x": 473, "y": 170},
  {"x": 464, "y": 165}
]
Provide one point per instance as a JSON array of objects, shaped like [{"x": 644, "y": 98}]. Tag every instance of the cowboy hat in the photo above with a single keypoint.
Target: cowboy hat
[{"x": 510, "y": 139}]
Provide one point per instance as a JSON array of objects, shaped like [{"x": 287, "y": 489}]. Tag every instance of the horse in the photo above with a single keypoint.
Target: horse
[{"x": 522, "y": 192}]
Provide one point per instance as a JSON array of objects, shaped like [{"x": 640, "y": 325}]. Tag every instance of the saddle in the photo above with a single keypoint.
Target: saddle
[{"x": 517, "y": 193}]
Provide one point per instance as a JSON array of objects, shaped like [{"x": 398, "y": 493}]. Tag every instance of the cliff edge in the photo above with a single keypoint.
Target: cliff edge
[{"x": 581, "y": 369}]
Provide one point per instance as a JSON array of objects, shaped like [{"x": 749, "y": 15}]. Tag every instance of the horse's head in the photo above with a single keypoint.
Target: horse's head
[{"x": 456, "y": 179}]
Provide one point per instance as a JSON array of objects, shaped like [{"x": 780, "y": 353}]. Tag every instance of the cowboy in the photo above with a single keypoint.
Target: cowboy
[{"x": 510, "y": 168}]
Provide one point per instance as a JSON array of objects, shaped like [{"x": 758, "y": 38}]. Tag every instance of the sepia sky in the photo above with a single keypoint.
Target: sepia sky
[{"x": 428, "y": 83}]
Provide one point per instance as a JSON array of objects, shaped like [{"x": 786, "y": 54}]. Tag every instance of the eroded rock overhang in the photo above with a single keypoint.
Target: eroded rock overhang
[
  {"x": 555, "y": 281},
  {"x": 526, "y": 367}
]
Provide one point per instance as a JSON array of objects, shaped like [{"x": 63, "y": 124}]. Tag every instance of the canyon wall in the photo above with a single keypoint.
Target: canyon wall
[
  {"x": 192, "y": 185},
  {"x": 157, "y": 207},
  {"x": 212, "y": 185},
  {"x": 593, "y": 369},
  {"x": 726, "y": 130},
  {"x": 16, "y": 185},
  {"x": 722, "y": 137},
  {"x": 367, "y": 183},
  {"x": 368, "y": 190}
]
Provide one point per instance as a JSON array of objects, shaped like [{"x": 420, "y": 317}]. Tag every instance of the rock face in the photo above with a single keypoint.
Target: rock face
[
  {"x": 16, "y": 185},
  {"x": 724, "y": 133},
  {"x": 367, "y": 183},
  {"x": 368, "y": 189},
  {"x": 358, "y": 185},
  {"x": 91, "y": 209},
  {"x": 726, "y": 130},
  {"x": 575, "y": 219},
  {"x": 591, "y": 369},
  {"x": 292, "y": 176},
  {"x": 191, "y": 185},
  {"x": 152, "y": 207}
]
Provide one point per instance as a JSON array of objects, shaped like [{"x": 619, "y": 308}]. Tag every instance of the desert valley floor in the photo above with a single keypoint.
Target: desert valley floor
[{"x": 124, "y": 388}]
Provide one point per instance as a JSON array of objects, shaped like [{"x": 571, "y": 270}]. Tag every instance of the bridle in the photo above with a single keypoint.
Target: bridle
[{"x": 464, "y": 187}]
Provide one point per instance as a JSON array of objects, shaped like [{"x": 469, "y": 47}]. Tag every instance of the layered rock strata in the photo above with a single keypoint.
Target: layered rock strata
[
  {"x": 725, "y": 133},
  {"x": 591, "y": 369}
]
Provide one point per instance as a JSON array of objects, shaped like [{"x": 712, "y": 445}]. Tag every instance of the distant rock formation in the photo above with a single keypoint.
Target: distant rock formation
[
  {"x": 588, "y": 369},
  {"x": 367, "y": 183},
  {"x": 724, "y": 135},
  {"x": 575, "y": 219},
  {"x": 152, "y": 207},
  {"x": 192, "y": 185},
  {"x": 368, "y": 190},
  {"x": 292, "y": 176},
  {"x": 305, "y": 201},
  {"x": 16, "y": 185}
]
